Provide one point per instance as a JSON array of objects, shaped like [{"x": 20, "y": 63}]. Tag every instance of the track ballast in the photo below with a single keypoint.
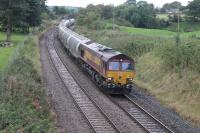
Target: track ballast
[
  {"x": 140, "y": 115},
  {"x": 92, "y": 112}
]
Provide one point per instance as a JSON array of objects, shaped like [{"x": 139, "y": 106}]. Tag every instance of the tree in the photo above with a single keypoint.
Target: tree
[
  {"x": 140, "y": 15},
  {"x": 147, "y": 15},
  {"x": 60, "y": 10},
  {"x": 107, "y": 12},
  {"x": 194, "y": 10},
  {"x": 12, "y": 12},
  {"x": 36, "y": 7},
  {"x": 174, "y": 5},
  {"x": 131, "y": 2},
  {"x": 89, "y": 15}
]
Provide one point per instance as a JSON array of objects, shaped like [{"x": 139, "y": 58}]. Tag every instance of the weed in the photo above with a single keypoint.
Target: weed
[{"x": 23, "y": 106}]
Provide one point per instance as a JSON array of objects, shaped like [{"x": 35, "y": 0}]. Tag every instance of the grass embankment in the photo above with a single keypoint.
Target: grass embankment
[
  {"x": 187, "y": 30},
  {"x": 5, "y": 53},
  {"x": 185, "y": 27},
  {"x": 149, "y": 32},
  {"x": 24, "y": 106},
  {"x": 177, "y": 88},
  {"x": 161, "y": 33}
]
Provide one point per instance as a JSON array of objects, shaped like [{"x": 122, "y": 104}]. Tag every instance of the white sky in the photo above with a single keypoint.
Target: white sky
[{"x": 84, "y": 3}]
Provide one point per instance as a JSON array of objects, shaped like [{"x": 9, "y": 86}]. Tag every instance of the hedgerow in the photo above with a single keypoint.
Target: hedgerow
[{"x": 182, "y": 56}]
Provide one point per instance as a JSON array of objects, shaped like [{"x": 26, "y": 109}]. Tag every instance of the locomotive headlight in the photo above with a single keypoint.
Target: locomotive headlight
[
  {"x": 109, "y": 79},
  {"x": 130, "y": 79}
]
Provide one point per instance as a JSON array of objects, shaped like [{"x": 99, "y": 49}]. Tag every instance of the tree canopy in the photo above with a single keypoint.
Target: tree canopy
[
  {"x": 194, "y": 10},
  {"x": 20, "y": 13},
  {"x": 60, "y": 10},
  {"x": 169, "y": 6}
]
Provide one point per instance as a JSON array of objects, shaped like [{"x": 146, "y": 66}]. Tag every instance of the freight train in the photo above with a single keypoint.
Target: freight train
[{"x": 111, "y": 70}]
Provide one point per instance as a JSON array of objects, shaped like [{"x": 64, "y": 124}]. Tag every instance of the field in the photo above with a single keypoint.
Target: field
[
  {"x": 185, "y": 27},
  {"x": 160, "y": 33},
  {"x": 5, "y": 53},
  {"x": 149, "y": 32},
  {"x": 178, "y": 89},
  {"x": 187, "y": 30}
]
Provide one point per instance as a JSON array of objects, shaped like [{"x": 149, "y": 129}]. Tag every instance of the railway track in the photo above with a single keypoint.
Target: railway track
[
  {"x": 97, "y": 119},
  {"x": 95, "y": 116},
  {"x": 138, "y": 114}
]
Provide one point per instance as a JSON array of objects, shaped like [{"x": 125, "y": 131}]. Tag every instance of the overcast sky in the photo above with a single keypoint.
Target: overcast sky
[{"x": 84, "y": 3}]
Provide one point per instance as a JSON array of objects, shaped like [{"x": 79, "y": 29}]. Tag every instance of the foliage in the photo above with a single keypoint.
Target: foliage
[
  {"x": 168, "y": 6},
  {"x": 194, "y": 10},
  {"x": 107, "y": 11},
  {"x": 20, "y": 14},
  {"x": 139, "y": 14},
  {"x": 60, "y": 10},
  {"x": 174, "y": 18},
  {"x": 89, "y": 16},
  {"x": 23, "y": 105},
  {"x": 179, "y": 57},
  {"x": 185, "y": 27},
  {"x": 135, "y": 45},
  {"x": 120, "y": 22},
  {"x": 36, "y": 7},
  {"x": 12, "y": 13}
]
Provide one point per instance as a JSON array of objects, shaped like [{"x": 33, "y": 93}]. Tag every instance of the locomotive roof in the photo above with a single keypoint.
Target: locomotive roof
[
  {"x": 101, "y": 51},
  {"x": 75, "y": 35},
  {"x": 106, "y": 53}
]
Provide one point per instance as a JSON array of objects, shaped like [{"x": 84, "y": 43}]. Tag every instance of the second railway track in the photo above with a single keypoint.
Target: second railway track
[
  {"x": 97, "y": 119},
  {"x": 138, "y": 114}
]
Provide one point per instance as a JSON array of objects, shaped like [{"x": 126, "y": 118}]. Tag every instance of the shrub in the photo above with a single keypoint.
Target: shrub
[
  {"x": 23, "y": 106},
  {"x": 182, "y": 56},
  {"x": 97, "y": 25},
  {"x": 138, "y": 48}
]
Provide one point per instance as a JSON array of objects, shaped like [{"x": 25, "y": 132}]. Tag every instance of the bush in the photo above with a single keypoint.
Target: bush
[
  {"x": 97, "y": 25},
  {"x": 138, "y": 49},
  {"x": 23, "y": 106},
  {"x": 182, "y": 56},
  {"x": 123, "y": 22}
]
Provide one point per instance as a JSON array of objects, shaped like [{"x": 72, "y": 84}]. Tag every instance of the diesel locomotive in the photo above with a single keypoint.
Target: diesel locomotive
[{"x": 111, "y": 70}]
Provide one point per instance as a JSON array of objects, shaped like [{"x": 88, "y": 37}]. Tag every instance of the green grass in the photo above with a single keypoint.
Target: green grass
[
  {"x": 160, "y": 33},
  {"x": 185, "y": 27},
  {"x": 168, "y": 32},
  {"x": 5, "y": 53},
  {"x": 24, "y": 106},
  {"x": 148, "y": 32},
  {"x": 179, "y": 91}
]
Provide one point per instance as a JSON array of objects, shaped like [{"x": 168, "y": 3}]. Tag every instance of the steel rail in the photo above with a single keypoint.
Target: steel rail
[
  {"x": 146, "y": 121},
  {"x": 99, "y": 124},
  {"x": 148, "y": 114}
]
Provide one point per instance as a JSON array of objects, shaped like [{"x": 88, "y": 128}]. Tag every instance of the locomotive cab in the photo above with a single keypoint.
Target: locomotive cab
[{"x": 120, "y": 73}]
